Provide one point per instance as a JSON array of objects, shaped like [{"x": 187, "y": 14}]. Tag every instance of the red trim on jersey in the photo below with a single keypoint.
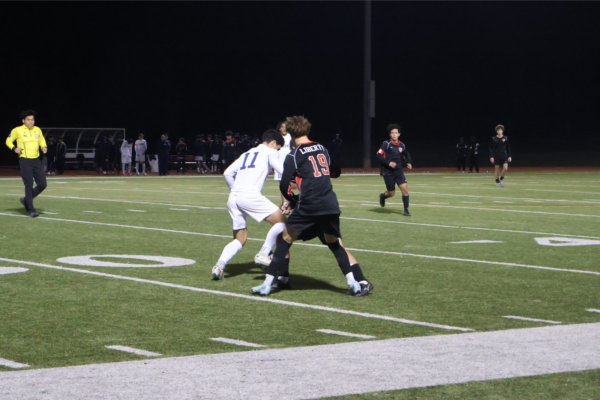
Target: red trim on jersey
[
  {"x": 298, "y": 183},
  {"x": 381, "y": 152},
  {"x": 395, "y": 143}
]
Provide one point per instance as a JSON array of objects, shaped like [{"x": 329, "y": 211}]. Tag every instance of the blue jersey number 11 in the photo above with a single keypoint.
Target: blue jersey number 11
[{"x": 251, "y": 163}]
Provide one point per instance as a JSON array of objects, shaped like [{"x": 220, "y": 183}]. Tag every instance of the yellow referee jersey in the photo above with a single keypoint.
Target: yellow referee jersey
[{"x": 30, "y": 140}]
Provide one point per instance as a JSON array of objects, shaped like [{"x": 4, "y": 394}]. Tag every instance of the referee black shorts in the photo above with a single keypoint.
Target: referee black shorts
[
  {"x": 394, "y": 178},
  {"x": 500, "y": 160},
  {"x": 311, "y": 226}
]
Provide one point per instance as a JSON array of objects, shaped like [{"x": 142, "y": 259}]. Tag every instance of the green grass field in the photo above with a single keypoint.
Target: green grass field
[{"x": 58, "y": 317}]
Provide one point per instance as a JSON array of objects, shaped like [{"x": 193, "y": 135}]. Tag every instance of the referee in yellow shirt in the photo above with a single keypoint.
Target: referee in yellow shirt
[{"x": 29, "y": 140}]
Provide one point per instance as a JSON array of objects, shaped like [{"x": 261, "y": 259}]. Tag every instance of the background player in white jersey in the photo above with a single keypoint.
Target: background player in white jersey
[
  {"x": 246, "y": 177},
  {"x": 126, "y": 156},
  {"x": 285, "y": 149},
  {"x": 140, "y": 154}
]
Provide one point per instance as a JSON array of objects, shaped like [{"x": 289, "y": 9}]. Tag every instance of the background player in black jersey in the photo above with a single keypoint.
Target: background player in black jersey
[
  {"x": 500, "y": 155},
  {"x": 391, "y": 154},
  {"x": 317, "y": 205}
]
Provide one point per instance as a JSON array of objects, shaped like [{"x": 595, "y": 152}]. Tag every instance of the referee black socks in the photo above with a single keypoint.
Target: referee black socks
[{"x": 405, "y": 202}]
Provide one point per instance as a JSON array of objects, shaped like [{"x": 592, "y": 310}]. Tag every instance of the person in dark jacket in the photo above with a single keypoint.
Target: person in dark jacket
[
  {"x": 51, "y": 155},
  {"x": 164, "y": 152},
  {"x": 461, "y": 154},
  {"x": 230, "y": 151}
]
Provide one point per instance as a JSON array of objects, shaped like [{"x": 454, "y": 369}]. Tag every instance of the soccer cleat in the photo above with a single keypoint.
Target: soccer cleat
[
  {"x": 382, "y": 199},
  {"x": 34, "y": 214},
  {"x": 263, "y": 290},
  {"x": 217, "y": 273},
  {"x": 357, "y": 290},
  {"x": 22, "y": 200},
  {"x": 501, "y": 183},
  {"x": 144, "y": 174},
  {"x": 262, "y": 261},
  {"x": 498, "y": 184},
  {"x": 138, "y": 174},
  {"x": 281, "y": 285},
  {"x": 406, "y": 213},
  {"x": 366, "y": 285}
]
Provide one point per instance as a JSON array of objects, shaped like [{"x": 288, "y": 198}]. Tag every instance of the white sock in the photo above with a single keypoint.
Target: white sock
[
  {"x": 268, "y": 280},
  {"x": 272, "y": 238},
  {"x": 228, "y": 252},
  {"x": 144, "y": 168},
  {"x": 350, "y": 278},
  {"x": 136, "y": 168}
]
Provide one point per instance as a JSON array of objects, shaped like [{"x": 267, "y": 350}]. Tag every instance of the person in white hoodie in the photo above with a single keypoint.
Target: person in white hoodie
[{"x": 126, "y": 155}]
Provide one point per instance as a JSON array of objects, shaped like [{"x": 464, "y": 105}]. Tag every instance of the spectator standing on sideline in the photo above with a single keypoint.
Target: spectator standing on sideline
[
  {"x": 30, "y": 141},
  {"x": 200, "y": 154},
  {"x": 391, "y": 154},
  {"x": 140, "y": 154},
  {"x": 500, "y": 155},
  {"x": 335, "y": 152},
  {"x": 230, "y": 151},
  {"x": 181, "y": 151},
  {"x": 51, "y": 155},
  {"x": 216, "y": 147},
  {"x": 473, "y": 154},
  {"x": 110, "y": 155},
  {"x": 461, "y": 154},
  {"x": 100, "y": 155},
  {"x": 61, "y": 156},
  {"x": 126, "y": 155},
  {"x": 164, "y": 150},
  {"x": 245, "y": 144}
]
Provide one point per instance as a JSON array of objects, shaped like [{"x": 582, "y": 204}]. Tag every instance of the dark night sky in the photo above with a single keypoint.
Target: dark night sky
[{"x": 442, "y": 69}]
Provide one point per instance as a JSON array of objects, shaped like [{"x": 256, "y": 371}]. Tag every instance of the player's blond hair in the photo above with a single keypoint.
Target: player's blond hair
[
  {"x": 297, "y": 126},
  {"x": 499, "y": 127}
]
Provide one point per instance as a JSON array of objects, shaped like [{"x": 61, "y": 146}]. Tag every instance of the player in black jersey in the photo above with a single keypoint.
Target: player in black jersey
[
  {"x": 316, "y": 205},
  {"x": 500, "y": 155},
  {"x": 392, "y": 154}
]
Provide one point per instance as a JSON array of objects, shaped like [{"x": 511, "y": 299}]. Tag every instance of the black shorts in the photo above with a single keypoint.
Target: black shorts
[
  {"x": 500, "y": 161},
  {"x": 394, "y": 178},
  {"x": 311, "y": 226}
]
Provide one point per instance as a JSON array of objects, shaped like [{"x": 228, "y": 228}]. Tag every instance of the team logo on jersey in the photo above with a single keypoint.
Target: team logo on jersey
[
  {"x": 504, "y": 139},
  {"x": 24, "y": 135},
  {"x": 400, "y": 149},
  {"x": 37, "y": 136}
]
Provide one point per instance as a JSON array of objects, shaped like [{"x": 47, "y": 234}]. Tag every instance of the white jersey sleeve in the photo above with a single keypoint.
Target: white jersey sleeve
[
  {"x": 252, "y": 168},
  {"x": 231, "y": 172}
]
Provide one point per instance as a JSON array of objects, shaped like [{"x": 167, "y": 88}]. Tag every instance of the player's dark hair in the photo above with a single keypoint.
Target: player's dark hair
[
  {"x": 279, "y": 124},
  {"x": 297, "y": 126},
  {"x": 228, "y": 133},
  {"x": 27, "y": 113},
  {"x": 129, "y": 140},
  {"x": 272, "y": 134},
  {"x": 499, "y": 127},
  {"x": 182, "y": 139},
  {"x": 391, "y": 127}
]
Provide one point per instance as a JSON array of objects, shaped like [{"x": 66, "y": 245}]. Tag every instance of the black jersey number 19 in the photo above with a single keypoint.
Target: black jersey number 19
[{"x": 322, "y": 168}]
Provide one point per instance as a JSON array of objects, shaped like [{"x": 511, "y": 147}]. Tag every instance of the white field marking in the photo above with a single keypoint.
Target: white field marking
[
  {"x": 317, "y": 245},
  {"x": 242, "y": 296},
  {"x": 93, "y": 212},
  {"x": 137, "y": 210},
  {"x": 139, "y": 352},
  {"x": 237, "y": 342},
  {"x": 356, "y": 335},
  {"x": 535, "y": 201},
  {"x": 503, "y": 198},
  {"x": 179, "y": 209},
  {"x": 12, "y": 270},
  {"x": 49, "y": 213},
  {"x": 467, "y": 227},
  {"x": 136, "y": 202},
  {"x": 593, "y": 310},
  {"x": 472, "y": 202},
  {"x": 88, "y": 261},
  {"x": 154, "y": 191},
  {"x": 101, "y": 182},
  {"x": 532, "y": 319},
  {"x": 431, "y": 202},
  {"x": 559, "y": 242},
  {"x": 12, "y": 364},
  {"x": 504, "y": 202},
  {"x": 505, "y": 210},
  {"x": 560, "y": 191},
  {"x": 477, "y": 241}
]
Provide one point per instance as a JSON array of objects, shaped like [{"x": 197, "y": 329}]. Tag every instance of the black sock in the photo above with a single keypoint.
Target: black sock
[
  {"x": 501, "y": 178},
  {"x": 497, "y": 180},
  {"x": 278, "y": 261},
  {"x": 357, "y": 272},
  {"x": 341, "y": 256},
  {"x": 285, "y": 269},
  {"x": 405, "y": 201}
]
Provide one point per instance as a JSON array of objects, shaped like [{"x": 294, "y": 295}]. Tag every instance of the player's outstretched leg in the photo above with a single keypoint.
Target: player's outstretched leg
[
  {"x": 262, "y": 258},
  {"x": 343, "y": 261},
  {"x": 228, "y": 253}
]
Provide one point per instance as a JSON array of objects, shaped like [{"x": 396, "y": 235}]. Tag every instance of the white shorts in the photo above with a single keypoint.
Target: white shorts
[
  {"x": 140, "y": 157},
  {"x": 256, "y": 206},
  {"x": 125, "y": 160},
  {"x": 215, "y": 157},
  {"x": 198, "y": 158},
  {"x": 277, "y": 176}
]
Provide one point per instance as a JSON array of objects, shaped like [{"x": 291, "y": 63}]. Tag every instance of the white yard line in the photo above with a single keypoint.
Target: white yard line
[
  {"x": 12, "y": 364},
  {"x": 93, "y": 212},
  {"x": 179, "y": 209},
  {"x": 340, "y": 333},
  {"x": 323, "y": 371},
  {"x": 242, "y": 296},
  {"x": 477, "y": 241},
  {"x": 132, "y": 350},
  {"x": 532, "y": 319},
  {"x": 316, "y": 245},
  {"x": 237, "y": 342},
  {"x": 503, "y": 198},
  {"x": 137, "y": 210},
  {"x": 561, "y": 191},
  {"x": 593, "y": 310}
]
